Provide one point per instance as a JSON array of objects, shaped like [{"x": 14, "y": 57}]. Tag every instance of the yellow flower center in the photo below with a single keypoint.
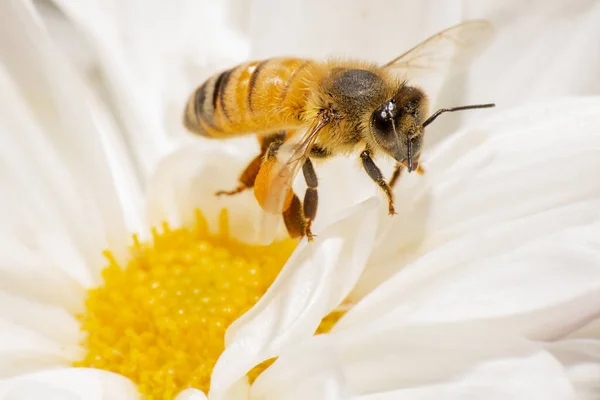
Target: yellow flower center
[{"x": 161, "y": 319}]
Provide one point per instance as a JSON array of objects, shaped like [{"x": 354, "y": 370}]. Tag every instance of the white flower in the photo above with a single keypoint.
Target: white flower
[
  {"x": 478, "y": 287},
  {"x": 485, "y": 262}
]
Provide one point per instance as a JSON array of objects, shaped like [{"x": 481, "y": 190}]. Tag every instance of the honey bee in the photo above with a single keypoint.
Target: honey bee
[{"x": 302, "y": 109}]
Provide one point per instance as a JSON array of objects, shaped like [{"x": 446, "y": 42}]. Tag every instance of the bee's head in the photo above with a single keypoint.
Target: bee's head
[{"x": 397, "y": 126}]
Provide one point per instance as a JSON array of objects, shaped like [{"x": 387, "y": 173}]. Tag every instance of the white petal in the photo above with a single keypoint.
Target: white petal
[
  {"x": 581, "y": 358},
  {"x": 27, "y": 274},
  {"x": 35, "y": 391},
  {"x": 53, "y": 322},
  {"x": 129, "y": 95},
  {"x": 66, "y": 37},
  {"x": 317, "y": 35},
  {"x": 23, "y": 350},
  {"x": 40, "y": 206},
  {"x": 68, "y": 384},
  {"x": 73, "y": 44},
  {"x": 471, "y": 181},
  {"x": 589, "y": 331},
  {"x": 239, "y": 390},
  {"x": 437, "y": 361},
  {"x": 543, "y": 288},
  {"x": 191, "y": 394},
  {"x": 57, "y": 102},
  {"x": 189, "y": 178},
  {"x": 483, "y": 252},
  {"x": 318, "y": 375},
  {"x": 316, "y": 278},
  {"x": 521, "y": 64},
  {"x": 151, "y": 56}
]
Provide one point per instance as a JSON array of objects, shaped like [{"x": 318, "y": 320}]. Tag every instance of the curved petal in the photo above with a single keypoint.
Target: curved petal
[
  {"x": 26, "y": 273},
  {"x": 314, "y": 281},
  {"x": 543, "y": 288},
  {"x": 23, "y": 350},
  {"x": 340, "y": 36},
  {"x": 581, "y": 358},
  {"x": 191, "y": 394},
  {"x": 424, "y": 362},
  {"x": 59, "y": 138},
  {"x": 499, "y": 170},
  {"x": 40, "y": 206},
  {"x": 69, "y": 384},
  {"x": 150, "y": 56},
  {"x": 531, "y": 259},
  {"x": 55, "y": 323},
  {"x": 522, "y": 64},
  {"x": 189, "y": 178}
]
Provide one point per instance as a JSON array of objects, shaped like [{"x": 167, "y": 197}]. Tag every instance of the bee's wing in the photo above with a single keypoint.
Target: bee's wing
[
  {"x": 448, "y": 51},
  {"x": 288, "y": 162}
]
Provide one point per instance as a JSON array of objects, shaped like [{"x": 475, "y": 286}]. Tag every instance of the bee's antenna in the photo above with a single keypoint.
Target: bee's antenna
[{"x": 443, "y": 110}]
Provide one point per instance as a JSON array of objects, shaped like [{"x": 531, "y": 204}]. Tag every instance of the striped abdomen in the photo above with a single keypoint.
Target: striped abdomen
[{"x": 255, "y": 97}]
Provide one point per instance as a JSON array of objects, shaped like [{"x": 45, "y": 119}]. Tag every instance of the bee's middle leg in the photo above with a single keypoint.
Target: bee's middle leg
[
  {"x": 311, "y": 197},
  {"x": 375, "y": 173}
]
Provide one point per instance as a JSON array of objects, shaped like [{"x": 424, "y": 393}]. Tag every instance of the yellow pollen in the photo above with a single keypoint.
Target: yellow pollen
[{"x": 161, "y": 319}]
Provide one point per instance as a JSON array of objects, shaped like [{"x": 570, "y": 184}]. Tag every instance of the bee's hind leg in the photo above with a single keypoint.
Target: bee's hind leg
[{"x": 293, "y": 218}]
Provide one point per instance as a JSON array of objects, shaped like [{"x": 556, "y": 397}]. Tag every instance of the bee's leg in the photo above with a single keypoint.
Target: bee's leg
[
  {"x": 375, "y": 174},
  {"x": 398, "y": 172},
  {"x": 311, "y": 197},
  {"x": 247, "y": 177},
  {"x": 293, "y": 218},
  {"x": 249, "y": 174},
  {"x": 395, "y": 176}
]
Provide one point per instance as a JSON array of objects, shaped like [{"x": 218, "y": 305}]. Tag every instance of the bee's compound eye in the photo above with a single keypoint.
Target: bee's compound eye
[{"x": 383, "y": 119}]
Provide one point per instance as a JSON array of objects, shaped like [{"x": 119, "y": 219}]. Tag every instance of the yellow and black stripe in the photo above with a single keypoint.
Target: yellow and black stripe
[{"x": 246, "y": 99}]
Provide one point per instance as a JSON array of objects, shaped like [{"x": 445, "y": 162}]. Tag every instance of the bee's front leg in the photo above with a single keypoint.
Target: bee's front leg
[
  {"x": 395, "y": 176},
  {"x": 375, "y": 173},
  {"x": 398, "y": 172}
]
